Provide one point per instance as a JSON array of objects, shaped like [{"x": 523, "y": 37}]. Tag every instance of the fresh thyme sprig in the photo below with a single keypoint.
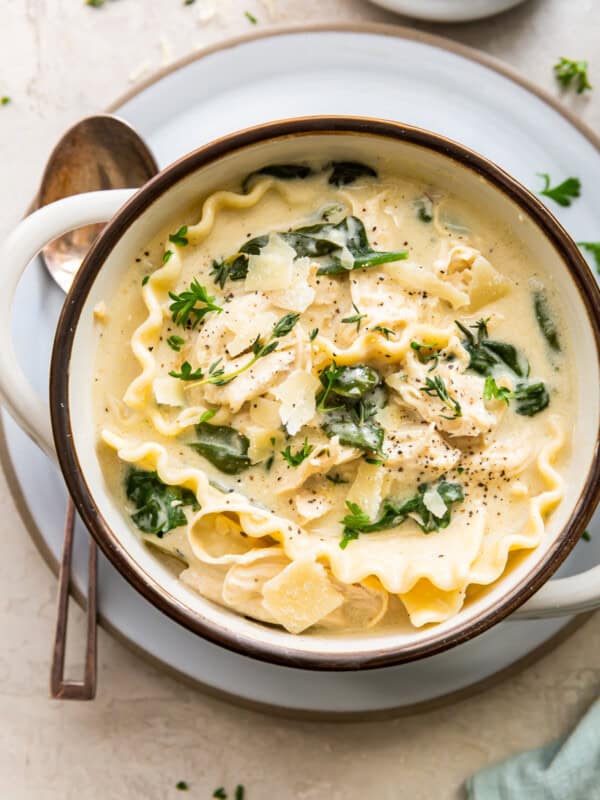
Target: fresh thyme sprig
[
  {"x": 355, "y": 318},
  {"x": 194, "y": 302},
  {"x": 435, "y": 387}
]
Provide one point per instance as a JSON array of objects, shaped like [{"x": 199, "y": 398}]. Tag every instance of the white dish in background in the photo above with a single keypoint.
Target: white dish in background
[
  {"x": 448, "y": 10},
  {"x": 204, "y": 99}
]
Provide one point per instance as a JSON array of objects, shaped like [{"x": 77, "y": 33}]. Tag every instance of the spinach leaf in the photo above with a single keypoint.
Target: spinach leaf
[
  {"x": 346, "y": 172},
  {"x": 323, "y": 242},
  {"x": 159, "y": 507},
  {"x": 531, "y": 398},
  {"x": 285, "y": 172},
  {"x": 544, "y": 319},
  {"x": 224, "y": 447},
  {"x": 393, "y": 514},
  {"x": 353, "y": 382},
  {"x": 486, "y": 354},
  {"x": 354, "y": 429}
]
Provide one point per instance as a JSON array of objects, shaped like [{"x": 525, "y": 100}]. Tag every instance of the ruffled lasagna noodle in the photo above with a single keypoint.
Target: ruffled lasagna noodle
[{"x": 392, "y": 450}]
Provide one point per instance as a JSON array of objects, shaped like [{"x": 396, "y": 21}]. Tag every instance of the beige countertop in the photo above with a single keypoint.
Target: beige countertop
[{"x": 145, "y": 731}]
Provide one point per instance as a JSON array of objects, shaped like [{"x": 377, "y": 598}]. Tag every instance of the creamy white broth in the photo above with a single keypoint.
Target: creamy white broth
[{"x": 266, "y": 541}]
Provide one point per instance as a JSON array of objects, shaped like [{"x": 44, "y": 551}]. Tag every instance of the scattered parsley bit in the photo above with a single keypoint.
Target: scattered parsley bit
[
  {"x": 239, "y": 792},
  {"x": 220, "y": 793},
  {"x": 94, "y": 3},
  {"x": 166, "y": 256},
  {"x": 175, "y": 343},
  {"x": 187, "y": 374},
  {"x": 564, "y": 192},
  {"x": 251, "y": 18},
  {"x": 5, "y": 100},
  {"x": 491, "y": 391},
  {"x": 435, "y": 387},
  {"x": 586, "y": 536},
  {"x": 313, "y": 334},
  {"x": 335, "y": 477},
  {"x": 179, "y": 238},
  {"x": 358, "y": 318},
  {"x": 145, "y": 279},
  {"x": 387, "y": 332},
  {"x": 182, "y": 786},
  {"x": 184, "y": 304},
  {"x": 594, "y": 249},
  {"x": 295, "y": 459},
  {"x": 566, "y": 71},
  {"x": 206, "y": 415},
  {"x": 259, "y": 350},
  {"x": 188, "y": 2}
]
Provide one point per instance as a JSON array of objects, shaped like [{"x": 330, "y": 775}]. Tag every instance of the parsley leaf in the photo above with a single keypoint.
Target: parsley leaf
[
  {"x": 187, "y": 374},
  {"x": 194, "y": 302},
  {"x": 182, "y": 786},
  {"x": 564, "y": 193},
  {"x": 220, "y": 793},
  {"x": 568, "y": 71},
  {"x": 179, "y": 238},
  {"x": 295, "y": 459},
  {"x": 491, "y": 391},
  {"x": 251, "y": 18},
  {"x": 594, "y": 249}
]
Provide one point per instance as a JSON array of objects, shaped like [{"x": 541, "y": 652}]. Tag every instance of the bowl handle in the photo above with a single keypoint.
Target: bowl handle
[
  {"x": 563, "y": 596},
  {"x": 22, "y": 245}
]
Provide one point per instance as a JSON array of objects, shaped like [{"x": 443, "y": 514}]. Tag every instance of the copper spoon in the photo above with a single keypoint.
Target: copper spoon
[{"x": 100, "y": 152}]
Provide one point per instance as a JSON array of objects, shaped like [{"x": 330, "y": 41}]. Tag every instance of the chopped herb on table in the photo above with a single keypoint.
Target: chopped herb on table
[
  {"x": 5, "y": 100},
  {"x": 594, "y": 249},
  {"x": 337, "y": 248},
  {"x": 194, "y": 302},
  {"x": 586, "y": 536},
  {"x": 430, "y": 508},
  {"x": 251, "y": 18},
  {"x": 569, "y": 71},
  {"x": 220, "y": 793},
  {"x": 239, "y": 792},
  {"x": 159, "y": 506},
  {"x": 346, "y": 172},
  {"x": 295, "y": 459},
  {"x": 564, "y": 193},
  {"x": 182, "y": 786}
]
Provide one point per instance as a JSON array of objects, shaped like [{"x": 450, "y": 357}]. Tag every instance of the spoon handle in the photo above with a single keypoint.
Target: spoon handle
[{"x": 61, "y": 688}]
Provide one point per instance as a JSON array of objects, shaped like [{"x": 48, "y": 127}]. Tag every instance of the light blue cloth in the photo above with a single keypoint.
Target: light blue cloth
[{"x": 568, "y": 769}]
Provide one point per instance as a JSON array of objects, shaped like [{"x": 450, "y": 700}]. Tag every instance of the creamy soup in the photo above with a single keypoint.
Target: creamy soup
[{"x": 340, "y": 399}]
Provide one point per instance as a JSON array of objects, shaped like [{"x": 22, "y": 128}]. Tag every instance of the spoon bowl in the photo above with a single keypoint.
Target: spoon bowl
[{"x": 99, "y": 152}]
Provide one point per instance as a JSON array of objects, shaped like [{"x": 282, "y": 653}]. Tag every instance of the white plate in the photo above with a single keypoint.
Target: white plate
[
  {"x": 448, "y": 10},
  {"x": 383, "y": 72}
]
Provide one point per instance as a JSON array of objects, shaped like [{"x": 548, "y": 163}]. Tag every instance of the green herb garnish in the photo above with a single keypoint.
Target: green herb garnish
[
  {"x": 345, "y": 172},
  {"x": 530, "y": 398},
  {"x": 435, "y": 387},
  {"x": 260, "y": 349},
  {"x": 187, "y": 373},
  {"x": 251, "y": 18},
  {"x": 220, "y": 793},
  {"x": 295, "y": 459},
  {"x": 335, "y": 477},
  {"x": 426, "y": 353},
  {"x": 486, "y": 354},
  {"x": 5, "y": 100},
  {"x": 424, "y": 208},
  {"x": 224, "y": 447},
  {"x": 182, "y": 786},
  {"x": 166, "y": 256},
  {"x": 568, "y": 71},
  {"x": 313, "y": 334},
  {"x": 175, "y": 343},
  {"x": 326, "y": 243},
  {"x": 387, "y": 332},
  {"x": 179, "y": 238},
  {"x": 586, "y": 536},
  {"x": 145, "y": 279},
  {"x": 358, "y": 522},
  {"x": 208, "y": 414},
  {"x": 195, "y": 302},
  {"x": 594, "y": 249},
  {"x": 159, "y": 506},
  {"x": 355, "y": 318},
  {"x": 564, "y": 193},
  {"x": 545, "y": 320},
  {"x": 491, "y": 391},
  {"x": 239, "y": 792}
]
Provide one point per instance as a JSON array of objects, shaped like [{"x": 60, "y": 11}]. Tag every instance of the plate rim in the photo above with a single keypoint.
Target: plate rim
[{"x": 391, "y": 30}]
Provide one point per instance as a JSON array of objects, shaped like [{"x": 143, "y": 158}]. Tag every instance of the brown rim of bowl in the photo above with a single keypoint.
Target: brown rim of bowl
[{"x": 431, "y": 643}]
